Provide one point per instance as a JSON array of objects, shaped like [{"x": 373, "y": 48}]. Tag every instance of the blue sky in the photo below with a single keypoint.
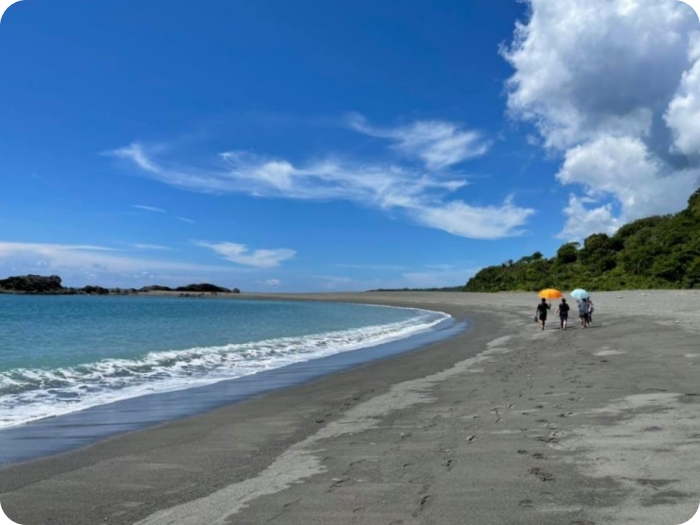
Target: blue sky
[{"x": 335, "y": 145}]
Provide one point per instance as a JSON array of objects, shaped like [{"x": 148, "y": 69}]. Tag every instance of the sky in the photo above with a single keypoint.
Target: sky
[{"x": 328, "y": 146}]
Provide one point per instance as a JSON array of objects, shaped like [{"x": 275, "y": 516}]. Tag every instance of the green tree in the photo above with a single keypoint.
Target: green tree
[{"x": 655, "y": 252}]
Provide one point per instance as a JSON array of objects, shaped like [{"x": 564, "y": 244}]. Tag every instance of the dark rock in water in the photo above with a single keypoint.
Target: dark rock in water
[
  {"x": 32, "y": 284},
  {"x": 94, "y": 290},
  {"x": 40, "y": 284},
  {"x": 155, "y": 288},
  {"x": 203, "y": 287}
]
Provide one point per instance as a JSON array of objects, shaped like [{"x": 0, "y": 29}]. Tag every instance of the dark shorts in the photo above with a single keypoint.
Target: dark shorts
[
  {"x": 543, "y": 317},
  {"x": 564, "y": 317}
]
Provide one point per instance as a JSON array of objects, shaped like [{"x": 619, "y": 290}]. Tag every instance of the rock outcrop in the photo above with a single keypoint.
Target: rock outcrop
[
  {"x": 155, "y": 288},
  {"x": 203, "y": 287},
  {"x": 51, "y": 285},
  {"x": 32, "y": 284}
]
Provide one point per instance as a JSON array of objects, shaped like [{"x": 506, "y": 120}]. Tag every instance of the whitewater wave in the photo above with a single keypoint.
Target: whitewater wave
[{"x": 30, "y": 394}]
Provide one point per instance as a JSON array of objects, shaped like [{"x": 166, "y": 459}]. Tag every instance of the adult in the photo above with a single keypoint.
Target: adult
[
  {"x": 541, "y": 311},
  {"x": 583, "y": 312},
  {"x": 590, "y": 311},
  {"x": 563, "y": 311}
]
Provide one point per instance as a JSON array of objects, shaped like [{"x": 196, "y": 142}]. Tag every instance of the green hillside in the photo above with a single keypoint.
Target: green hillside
[{"x": 655, "y": 252}]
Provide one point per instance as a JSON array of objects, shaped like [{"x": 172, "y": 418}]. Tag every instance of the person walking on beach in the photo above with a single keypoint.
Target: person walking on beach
[
  {"x": 590, "y": 311},
  {"x": 583, "y": 312},
  {"x": 541, "y": 312},
  {"x": 563, "y": 311}
]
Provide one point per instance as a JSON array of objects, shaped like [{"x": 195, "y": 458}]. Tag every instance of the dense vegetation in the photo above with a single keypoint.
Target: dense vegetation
[{"x": 655, "y": 252}]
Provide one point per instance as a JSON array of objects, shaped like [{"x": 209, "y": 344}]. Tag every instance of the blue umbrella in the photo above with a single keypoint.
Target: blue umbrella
[{"x": 580, "y": 293}]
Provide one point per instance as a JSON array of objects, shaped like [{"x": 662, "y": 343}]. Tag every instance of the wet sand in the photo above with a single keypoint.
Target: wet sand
[{"x": 502, "y": 424}]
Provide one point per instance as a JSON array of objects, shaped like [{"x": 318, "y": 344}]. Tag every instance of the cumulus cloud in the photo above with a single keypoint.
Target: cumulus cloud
[
  {"x": 420, "y": 195},
  {"x": 614, "y": 87},
  {"x": 240, "y": 254},
  {"x": 683, "y": 114},
  {"x": 622, "y": 167},
  {"x": 438, "y": 144}
]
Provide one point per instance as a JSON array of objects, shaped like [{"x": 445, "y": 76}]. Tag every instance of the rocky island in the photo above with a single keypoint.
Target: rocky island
[{"x": 52, "y": 285}]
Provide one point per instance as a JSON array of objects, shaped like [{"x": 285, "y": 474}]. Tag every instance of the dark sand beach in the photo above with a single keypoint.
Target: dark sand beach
[{"x": 503, "y": 423}]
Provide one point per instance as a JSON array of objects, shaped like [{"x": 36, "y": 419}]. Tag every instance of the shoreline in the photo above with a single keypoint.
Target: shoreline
[
  {"x": 50, "y": 435},
  {"x": 479, "y": 425}
]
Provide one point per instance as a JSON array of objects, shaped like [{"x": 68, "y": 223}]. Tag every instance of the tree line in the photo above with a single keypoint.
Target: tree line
[{"x": 654, "y": 252}]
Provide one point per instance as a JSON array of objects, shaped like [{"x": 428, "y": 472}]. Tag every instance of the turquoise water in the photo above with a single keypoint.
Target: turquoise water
[{"x": 66, "y": 353}]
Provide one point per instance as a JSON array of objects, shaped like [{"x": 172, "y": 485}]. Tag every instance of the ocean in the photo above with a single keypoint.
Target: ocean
[{"x": 64, "y": 354}]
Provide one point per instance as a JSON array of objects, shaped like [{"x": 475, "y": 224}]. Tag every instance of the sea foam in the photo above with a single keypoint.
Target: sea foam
[{"x": 31, "y": 394}]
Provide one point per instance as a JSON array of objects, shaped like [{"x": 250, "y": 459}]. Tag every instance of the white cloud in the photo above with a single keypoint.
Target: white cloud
[
  {"x": 70, "y": 257},
  {"x": 459, "y": 218},
  {"x": 184, "y": 219},
  {"x": 273, "y": 282},
  {"x": 437, "y": 143},
  {"x": 240, "y": 254},
  {"x": 421, "y": 196},
  {"x": 683, "y": 114},
  {"x": 623, "y": 168},
  {"x": 149, "y": 208},
  {"x": 613, "y": 86},
  {"x": 582, "y": 221}
]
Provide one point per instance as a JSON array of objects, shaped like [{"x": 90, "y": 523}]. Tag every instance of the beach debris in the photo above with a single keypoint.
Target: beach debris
[
  {"x": 470, "y": 438},
  {"x": 522, "y": 451},
  {"x": 526, "y": 503}
]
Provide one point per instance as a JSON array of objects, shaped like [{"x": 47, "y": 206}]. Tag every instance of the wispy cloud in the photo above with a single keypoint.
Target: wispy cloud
[
  {"x": 184, "y": 219},
  {"x": 438, "y": 144},
  {"x": 273, "y": 282},
  {"x": 68, "y": 256},
  {"x": 151, "y": 247},
  {"x": 240, "y": 254},
  {"x": 420, "y": 195},
  {"x": 149, "y": 208}
]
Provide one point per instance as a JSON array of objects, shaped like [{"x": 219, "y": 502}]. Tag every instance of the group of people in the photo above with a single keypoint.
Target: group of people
[{"x": 585, "y": 312}]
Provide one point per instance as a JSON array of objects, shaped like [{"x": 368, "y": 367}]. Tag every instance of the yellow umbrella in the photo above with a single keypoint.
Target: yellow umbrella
[{"x": 550, "y": 293}]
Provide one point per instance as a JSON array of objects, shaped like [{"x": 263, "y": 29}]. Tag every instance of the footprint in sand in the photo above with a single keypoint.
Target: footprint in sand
[{"x": 541, "y": 474}]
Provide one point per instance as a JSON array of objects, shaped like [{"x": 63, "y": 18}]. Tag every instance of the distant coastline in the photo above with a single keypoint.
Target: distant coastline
[{"x": 52, "y": 285}]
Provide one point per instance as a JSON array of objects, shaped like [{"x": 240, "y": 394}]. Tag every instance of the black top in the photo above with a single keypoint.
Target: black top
[
  {"x": 564, "y": 308},
  {"x": 542, "y": 308}
]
